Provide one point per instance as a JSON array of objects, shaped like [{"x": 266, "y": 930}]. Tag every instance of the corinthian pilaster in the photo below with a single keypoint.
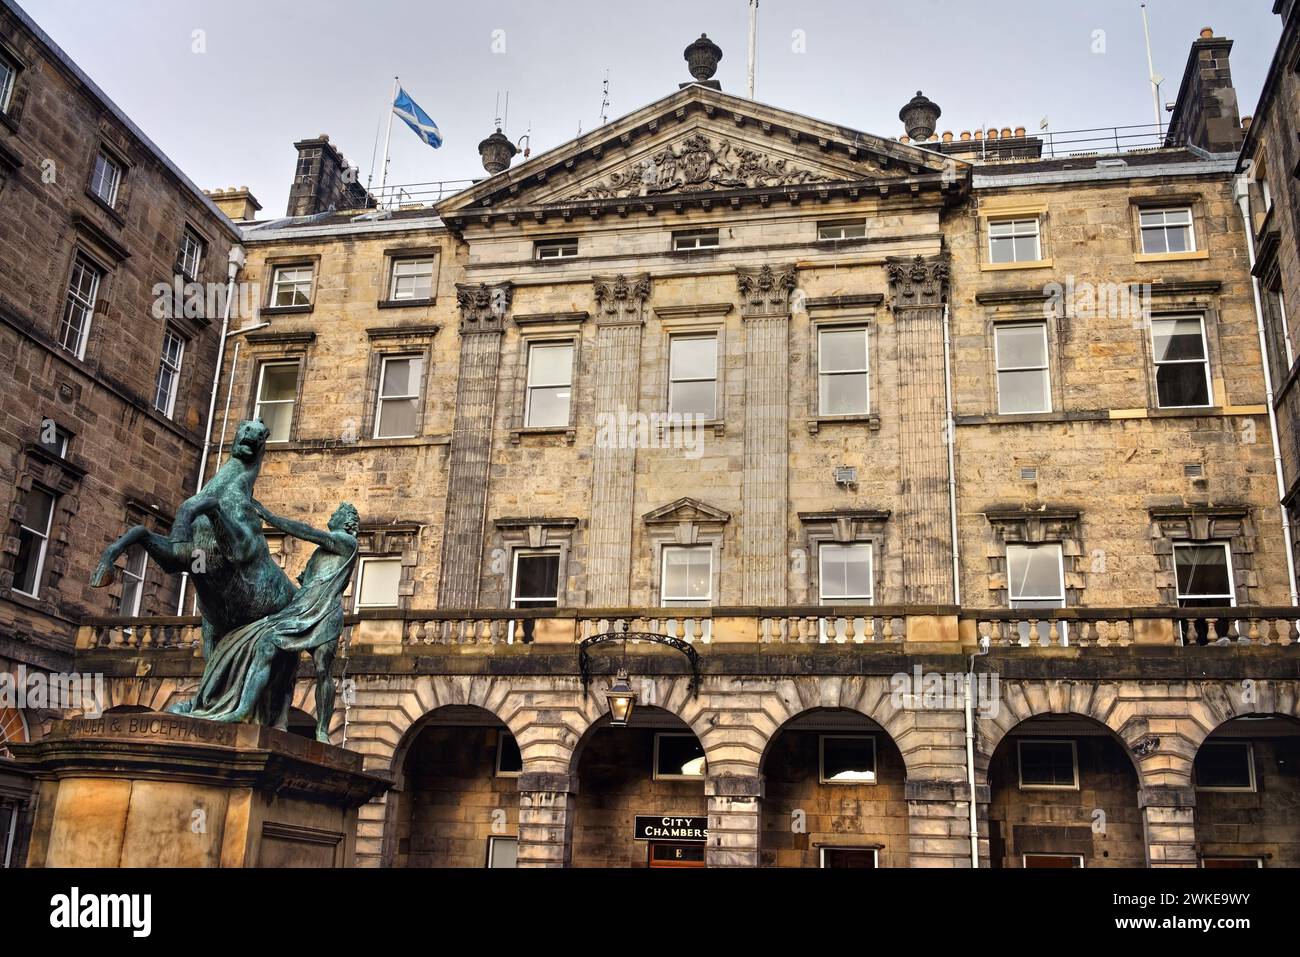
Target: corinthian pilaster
[
  {"x": 620, "y": 317},
  {"x": 483, "y": 310},
  {"x": 765, "y": 311},
  {"x": 918, "y": 289}
]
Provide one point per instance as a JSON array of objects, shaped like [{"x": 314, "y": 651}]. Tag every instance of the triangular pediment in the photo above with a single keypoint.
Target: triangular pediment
[
  {"x": 699, "y": 144},
  {"x": 688, "y": 510}
]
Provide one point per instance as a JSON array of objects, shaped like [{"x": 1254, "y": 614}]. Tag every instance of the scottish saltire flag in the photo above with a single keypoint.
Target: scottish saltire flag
[{"x": 419, "y": 121}]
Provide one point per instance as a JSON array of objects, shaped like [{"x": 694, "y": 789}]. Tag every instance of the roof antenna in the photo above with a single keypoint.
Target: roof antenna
[
  {"x": 604, "y": 99},
  {"x": 1156, "y": 78},
  {"x": 753, "y": 46},
  {"x": 496, "y": 110},
  {"x": 506, "y": 119}
]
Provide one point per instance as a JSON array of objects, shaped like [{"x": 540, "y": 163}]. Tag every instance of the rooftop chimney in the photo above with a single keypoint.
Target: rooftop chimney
[
  {"x": 237, "y": 203},
  {"x": 702, "y": 58},
  {"x": 323, "y": 180},
  {"x": 1205, "y": 114},
  {"x": 497, "y": 152},
  {"x": 919, "y": 117}
]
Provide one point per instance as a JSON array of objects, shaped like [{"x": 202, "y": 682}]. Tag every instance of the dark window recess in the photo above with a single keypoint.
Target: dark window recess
[
  {"x": 1047, "y": 764},
  {"x": 537, "y": 581},
  {"x": 1224, "y": 764},
  {"x": 509, "y": 760},
  {"x": 679, "y": 755},
  {"x": 1053, "y": 860},
  {"x": 858, "y": 857},
  {"x": 848, "y": 760}
]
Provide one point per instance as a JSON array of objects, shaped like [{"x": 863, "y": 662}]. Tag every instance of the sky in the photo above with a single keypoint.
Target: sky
[{"x": 225, "y": 87}]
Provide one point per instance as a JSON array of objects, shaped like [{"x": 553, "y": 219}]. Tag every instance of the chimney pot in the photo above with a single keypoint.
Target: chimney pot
[
  {"x": 947, "y": 136},
  {"x": 965, "y": 135},
  {"x": 1207, "y": 33},
  {"x": 1020, "y": 131}
]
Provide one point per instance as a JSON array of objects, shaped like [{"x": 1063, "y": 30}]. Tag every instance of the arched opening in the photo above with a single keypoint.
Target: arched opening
[
  {"x": 1064, "y": 793},
  {"x": 1247, "y": 780},
  {"x": 15, "y": 791},
  {"x": 833, "y": 794},
  {"x": 640, "y": 800},
  {"x": 456, "y": 800}
]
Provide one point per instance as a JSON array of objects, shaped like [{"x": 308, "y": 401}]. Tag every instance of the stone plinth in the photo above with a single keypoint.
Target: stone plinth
[{"x": 162, "y": 790}]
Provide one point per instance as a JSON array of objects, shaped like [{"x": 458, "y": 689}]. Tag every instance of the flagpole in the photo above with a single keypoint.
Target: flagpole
[{"x": 388, "y": 138}]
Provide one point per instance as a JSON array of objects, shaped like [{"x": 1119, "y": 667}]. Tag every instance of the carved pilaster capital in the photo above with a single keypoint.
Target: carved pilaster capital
[
  {"x": 765, "y": 291},
  {"x": 917, "y": 281},
  {"x": 621, "y": 299},
  {"x": 483, "y": 307}
]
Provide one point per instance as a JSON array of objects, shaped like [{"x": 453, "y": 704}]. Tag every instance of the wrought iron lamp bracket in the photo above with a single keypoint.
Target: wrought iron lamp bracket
[{"x": 625, "y": 635}]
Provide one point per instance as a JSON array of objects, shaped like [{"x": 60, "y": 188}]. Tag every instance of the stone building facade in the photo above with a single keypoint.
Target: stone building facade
[
  {"x": 103, "y": 397},
  {"x": 851, "y": 420},
  {"x": 1270, "y": 201}
]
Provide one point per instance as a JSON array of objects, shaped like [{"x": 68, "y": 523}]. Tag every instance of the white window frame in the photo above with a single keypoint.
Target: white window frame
[
  {"x": 169, "y": 368},
  {"x": 689, "y": 239},
  {"x": 829, "y": 600},
  {"x": 822, "y": 849},
  {"x": 397, "y": 274},
  {"x": 1045, "y": 368},
  {"x": 865, "y": 370},
  {"x": 8, "y": 80},
  {"x": 531, "y": 386},
  {"x": 362, "y": 563},
  {"x": 564, "y": 248},
  {"x": 280, "y": 282},
  {"x": 43, "y": 551},
  {"x": 381, "y": 397},
  {"x": 1250, "y": 765},
  {"x": 834, "y": 232},
  {"x": 558, "y": 554},
  {"x": 1204, "y": 362},
  {"x": 677, "y": 777},
  {"x": 192, "y": 249},
  {"x": 1020, "y": 765},
  {"x": 139, "y": 578},
  {"x": 1232, "y": 581},
  {"x": 502, "y": 734},
  {"x": 1024, "y": 858},
  {"x": 1021, "y": 601},
  {"x": 673, "y": 339},
  {"x": 259, "y": 401},
  {"x": 493, "y": 840},
  {"x": 1163, "y": 228},
  {"x": 106, "y": 177},
  {"x": 84, "y": 302},
  {"x": 673, "y": 601},
  {"x": 1017, "y": 229},
  {"x": 821, "y": 760}
]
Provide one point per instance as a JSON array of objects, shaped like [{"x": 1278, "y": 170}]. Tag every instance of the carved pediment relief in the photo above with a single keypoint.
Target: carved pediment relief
[{"x": 700, "y": 163}]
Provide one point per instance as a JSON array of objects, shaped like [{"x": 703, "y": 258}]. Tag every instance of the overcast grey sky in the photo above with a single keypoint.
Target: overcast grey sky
[{"x": 274, "y": 71}]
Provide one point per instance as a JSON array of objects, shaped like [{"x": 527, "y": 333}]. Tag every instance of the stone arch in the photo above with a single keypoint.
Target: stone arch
[
  {"x": 1101, "y": 702},
  {"x": 151, "y": 694},
  {"x": 670, "y": 693},
  {"x": 1221, "y": 701},
  {"x": 928, "y": 753}
]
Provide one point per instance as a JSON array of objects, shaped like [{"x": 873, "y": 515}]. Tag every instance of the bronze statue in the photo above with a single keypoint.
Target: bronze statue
[{"x": 255, "y": 623}]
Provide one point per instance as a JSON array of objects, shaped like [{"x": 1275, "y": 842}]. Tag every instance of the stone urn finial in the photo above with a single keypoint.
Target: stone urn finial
[
  {"x": 919, "y": 117},
  {"x": 497, "y": 152},
  {"x": 702, "y": 58}
]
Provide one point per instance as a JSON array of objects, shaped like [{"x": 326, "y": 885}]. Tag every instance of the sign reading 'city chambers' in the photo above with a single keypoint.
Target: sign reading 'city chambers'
[{"x": 652, "y": 828}]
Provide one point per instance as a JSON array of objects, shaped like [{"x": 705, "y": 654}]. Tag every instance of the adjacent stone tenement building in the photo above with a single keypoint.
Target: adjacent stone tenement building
[
  {"x": 714, "y": 368},
  {"x": 1270, "y": 198},
  {"x": 103, "y": 398}
]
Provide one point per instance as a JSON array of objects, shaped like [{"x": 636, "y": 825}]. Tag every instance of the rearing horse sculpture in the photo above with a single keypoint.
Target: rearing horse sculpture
[{"x": 217, "y": 538}]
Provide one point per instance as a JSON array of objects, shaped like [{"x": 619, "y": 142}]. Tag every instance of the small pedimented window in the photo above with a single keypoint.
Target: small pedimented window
[
  {"x": 687, "y": 538},
  {"x": 1197, "y": 545},
  {"x": 843, "y": 556},
  {"x": 1028, "y": 538}
]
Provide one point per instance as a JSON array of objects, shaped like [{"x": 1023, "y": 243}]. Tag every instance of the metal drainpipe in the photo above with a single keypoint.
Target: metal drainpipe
[
  {"x": 950, "y": 438},
  {"x": 236, "y": 263},
  {"x": 1242, "y": 190}
]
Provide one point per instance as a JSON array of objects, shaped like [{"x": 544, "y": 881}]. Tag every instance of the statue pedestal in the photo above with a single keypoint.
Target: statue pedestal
[{"x": 164, "y": 790}]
